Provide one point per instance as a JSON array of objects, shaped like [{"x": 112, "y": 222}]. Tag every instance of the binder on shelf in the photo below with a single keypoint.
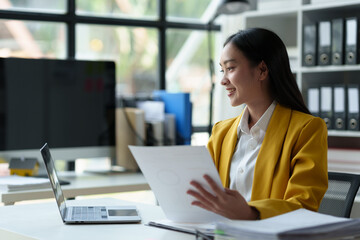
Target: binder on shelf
[
  {"x": 309, "y": 45},
  {"x": 339, "y": 107},
  {"x": 351, "y": 42},
  {"x": 324, "y": 42},
  {"x": 314, "y": 101},
  {"x": 337, "y": 41},
  {"x": 353, "y": 107},
  {"x": 326, "y": 105}
]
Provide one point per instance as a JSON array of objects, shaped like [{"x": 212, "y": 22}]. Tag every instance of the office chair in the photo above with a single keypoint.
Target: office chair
[{"x": 339, "y": 197}]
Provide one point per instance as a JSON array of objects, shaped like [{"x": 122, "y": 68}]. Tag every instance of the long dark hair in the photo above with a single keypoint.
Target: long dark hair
[{"x": 258, "y": 45}]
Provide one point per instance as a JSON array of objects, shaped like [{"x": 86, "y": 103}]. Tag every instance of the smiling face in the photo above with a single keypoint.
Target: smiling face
[{"x": 241, "y": 79}]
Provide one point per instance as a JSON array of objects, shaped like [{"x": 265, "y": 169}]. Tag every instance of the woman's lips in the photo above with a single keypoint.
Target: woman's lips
[{"x": 230, "y": 91}]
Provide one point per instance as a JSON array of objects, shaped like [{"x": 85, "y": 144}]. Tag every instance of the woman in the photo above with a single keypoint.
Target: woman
[{"x": 271, "y": 159}]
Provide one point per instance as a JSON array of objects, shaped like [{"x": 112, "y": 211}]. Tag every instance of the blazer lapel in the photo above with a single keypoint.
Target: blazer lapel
[
  {"x": 270, "y": 152},
  {"x": 227, "y": 151}
]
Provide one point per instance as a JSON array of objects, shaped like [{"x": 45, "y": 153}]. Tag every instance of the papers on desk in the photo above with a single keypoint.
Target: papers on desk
[
  {"x": 18, "y": 183},
  {"x": 298, "y": 224}
]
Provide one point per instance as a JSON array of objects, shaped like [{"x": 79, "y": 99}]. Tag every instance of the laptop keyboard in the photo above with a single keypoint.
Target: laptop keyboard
[{"x": 88, "y": 213}]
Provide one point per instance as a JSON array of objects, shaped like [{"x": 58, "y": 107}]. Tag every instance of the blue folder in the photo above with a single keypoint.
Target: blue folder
[{"x": 178, "y": 104}]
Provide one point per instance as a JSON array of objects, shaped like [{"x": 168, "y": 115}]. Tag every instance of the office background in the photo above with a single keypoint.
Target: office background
[
  {"x": 159, "y": 44},
  {"x": 155, "y": 44}
]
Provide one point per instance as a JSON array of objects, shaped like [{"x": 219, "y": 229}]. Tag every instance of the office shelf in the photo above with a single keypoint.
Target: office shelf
[
  {"x": 330, "y": 68},
  {"x": 345, "y": 133},
  {"x": 288, "y": 24}
]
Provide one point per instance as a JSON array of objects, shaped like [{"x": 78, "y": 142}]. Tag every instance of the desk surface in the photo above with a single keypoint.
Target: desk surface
[
  {"x": 43, "y": 221},
  {"x": 86, "y": 184}
]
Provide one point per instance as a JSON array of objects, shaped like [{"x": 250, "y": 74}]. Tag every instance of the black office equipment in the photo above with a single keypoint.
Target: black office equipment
[
  {"x": 337, "y": 41},
  {"x": 309, "y": 45},
  {"x": 313, "y": 101},
  {"x": 339, "y": 107},
  {"x": 353, "y": 107},
  {"x": 324, "y": 42},
  {"x": 326, "y": 105},
  {"x": 68, "y": 103},
  {"x": 351, "y": 43}
]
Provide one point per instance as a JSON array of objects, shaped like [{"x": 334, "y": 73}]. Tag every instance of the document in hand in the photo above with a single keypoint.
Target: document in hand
[
  {"x": 298, "y": 224},
  {"x": 169, "y": 171}
]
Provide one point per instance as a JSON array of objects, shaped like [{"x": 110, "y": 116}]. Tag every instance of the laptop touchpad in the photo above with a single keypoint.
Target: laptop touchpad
[{"x": 122, "y": 212}]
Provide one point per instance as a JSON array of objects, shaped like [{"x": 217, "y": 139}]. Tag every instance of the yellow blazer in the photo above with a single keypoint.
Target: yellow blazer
[{"x": 291, "y": 168}]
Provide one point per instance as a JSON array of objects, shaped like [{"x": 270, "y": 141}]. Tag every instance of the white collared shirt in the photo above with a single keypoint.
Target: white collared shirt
[{"x": 246, "y": 152}]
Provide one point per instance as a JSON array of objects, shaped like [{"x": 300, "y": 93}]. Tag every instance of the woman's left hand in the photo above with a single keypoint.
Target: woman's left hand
[{"x": 226, "y": 202}]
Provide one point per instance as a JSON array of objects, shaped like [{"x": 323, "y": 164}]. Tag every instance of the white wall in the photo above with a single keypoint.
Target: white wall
[{"x": 222, "y": 107}]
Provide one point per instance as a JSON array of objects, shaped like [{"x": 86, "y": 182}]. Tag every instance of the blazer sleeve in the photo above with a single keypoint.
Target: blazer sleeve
[{"x": 307, "y": 180}]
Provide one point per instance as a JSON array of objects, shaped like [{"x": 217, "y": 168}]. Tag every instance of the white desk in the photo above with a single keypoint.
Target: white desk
[
  {"x": 43, "y": 221},
  {"x": 87, "y": 184}
]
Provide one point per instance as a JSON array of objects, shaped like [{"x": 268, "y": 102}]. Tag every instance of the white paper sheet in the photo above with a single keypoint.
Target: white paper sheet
[
  {"x": 298, "y": 224},
  {"x": 169, "y": 171},
  {"x": 18, "y": 183}
]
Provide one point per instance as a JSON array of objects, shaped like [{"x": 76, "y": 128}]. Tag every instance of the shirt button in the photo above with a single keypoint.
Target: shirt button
[{"x": 241, "y": 170}]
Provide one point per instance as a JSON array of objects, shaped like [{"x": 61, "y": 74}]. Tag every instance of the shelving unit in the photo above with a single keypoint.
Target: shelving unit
[
  {"x": 288, "y": 24},
  {"x": 344, "y": 146}
]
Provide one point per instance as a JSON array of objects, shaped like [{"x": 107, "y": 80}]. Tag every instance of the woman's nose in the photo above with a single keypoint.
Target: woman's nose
[{"x": 224, "y": 81}]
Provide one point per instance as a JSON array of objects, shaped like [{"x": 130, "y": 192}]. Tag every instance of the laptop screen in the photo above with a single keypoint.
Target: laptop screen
[{"x": 55, "y": 184}]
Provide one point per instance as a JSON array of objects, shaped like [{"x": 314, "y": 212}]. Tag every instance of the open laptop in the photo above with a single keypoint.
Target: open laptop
[{"x": 85, "y": 214}]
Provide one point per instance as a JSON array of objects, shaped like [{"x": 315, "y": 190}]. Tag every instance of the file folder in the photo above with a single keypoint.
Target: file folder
[
  {"x": 353, "y": 107},
  {"x": 130, "y": 130},
  {"x": 337, "y": 41},
  {"x": 309, "y": 45},
  {"x": 324, "y": 43},
  {"x": 326, "y": 105},
  {"x": 351, "y": 44},
  {"x": 314, "y": 101},
  {"x": 339, "y": 107},
  {"x": 180, "y": 105}
]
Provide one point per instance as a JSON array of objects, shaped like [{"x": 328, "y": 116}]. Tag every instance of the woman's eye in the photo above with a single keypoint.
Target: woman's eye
[{"x": 228, "y": 69}]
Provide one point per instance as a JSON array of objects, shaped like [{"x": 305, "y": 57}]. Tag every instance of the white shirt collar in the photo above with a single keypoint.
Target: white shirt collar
[{"x": 262, "y": 123}]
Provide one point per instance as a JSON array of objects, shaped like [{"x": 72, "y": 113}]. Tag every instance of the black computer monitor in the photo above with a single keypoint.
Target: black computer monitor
[{"x": 69, "y": 104}]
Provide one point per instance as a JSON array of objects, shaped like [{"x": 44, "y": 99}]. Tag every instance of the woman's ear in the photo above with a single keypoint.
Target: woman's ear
[{"x": 264, "y": 72}]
